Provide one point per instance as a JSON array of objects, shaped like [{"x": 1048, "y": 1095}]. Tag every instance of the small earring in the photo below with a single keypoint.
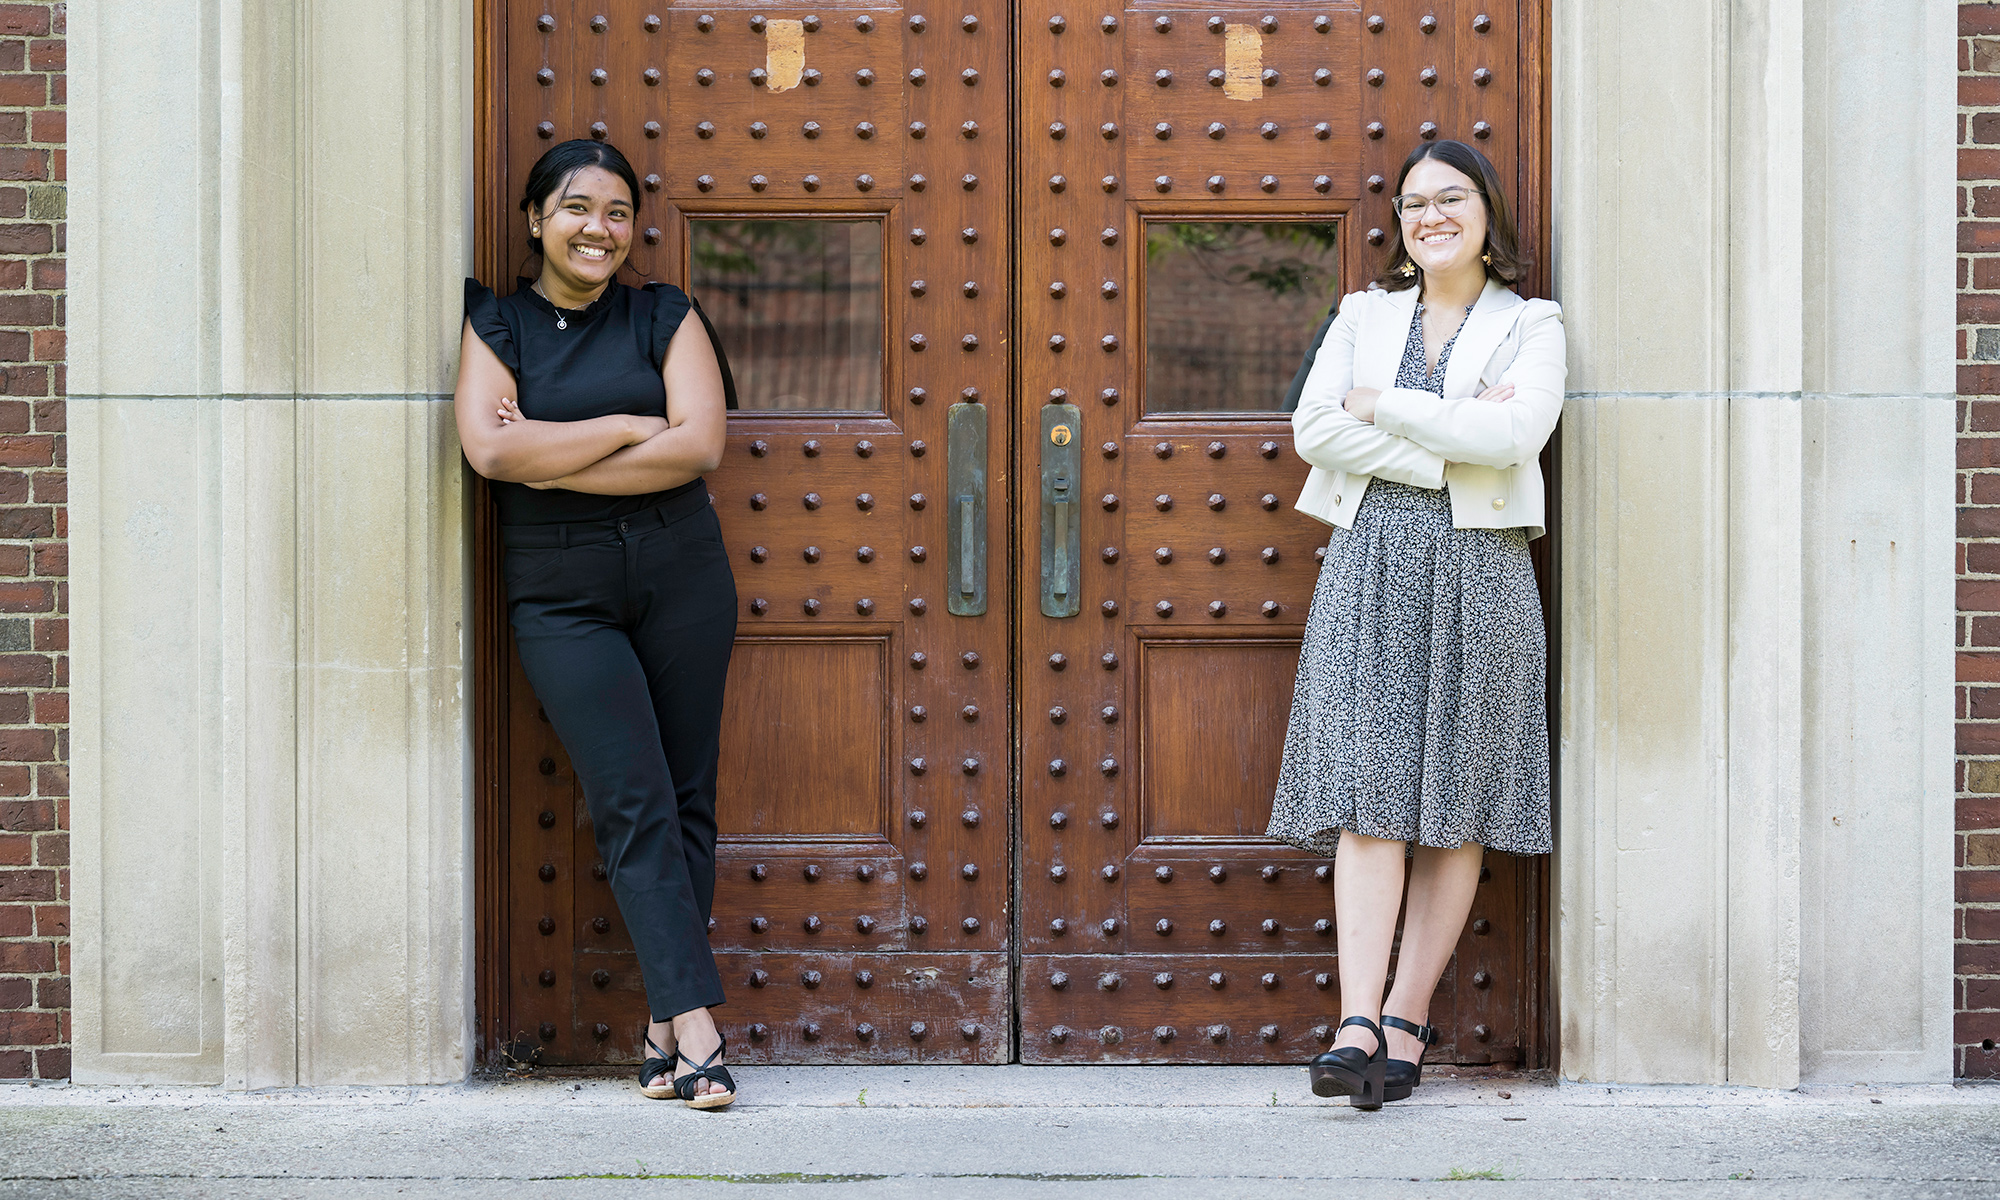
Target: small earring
[
  {"x": 534, "y": 231},
  {"x": 1408, "y": 270},
  {"x": 1487, "y": 259}
]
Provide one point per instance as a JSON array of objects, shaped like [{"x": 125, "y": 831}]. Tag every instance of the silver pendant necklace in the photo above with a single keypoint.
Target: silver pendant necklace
[{"x": 562, "y": 321}]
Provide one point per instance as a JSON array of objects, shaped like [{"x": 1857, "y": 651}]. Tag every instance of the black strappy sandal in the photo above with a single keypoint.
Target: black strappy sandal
[
  {"x": 685, "y": 1086},
  {"x": 1403, "y": 1076},
  {"x": 1346, "y": 1071},
  {"x": 653, "y": 1068}
]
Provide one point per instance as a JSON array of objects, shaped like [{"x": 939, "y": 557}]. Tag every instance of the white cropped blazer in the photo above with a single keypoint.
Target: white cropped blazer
[{"x": 1487, "y": 452}]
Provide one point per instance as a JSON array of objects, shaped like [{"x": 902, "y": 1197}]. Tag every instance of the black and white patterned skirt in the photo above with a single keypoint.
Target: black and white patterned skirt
[{"x": 1419, "y": 710}]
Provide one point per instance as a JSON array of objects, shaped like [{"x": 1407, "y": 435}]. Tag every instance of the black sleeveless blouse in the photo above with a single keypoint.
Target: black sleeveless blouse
[{"x": 607, "y": 362}]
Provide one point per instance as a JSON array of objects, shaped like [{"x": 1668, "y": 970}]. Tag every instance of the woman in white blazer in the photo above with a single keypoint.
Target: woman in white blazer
[{"x": 1418, "y": 732}]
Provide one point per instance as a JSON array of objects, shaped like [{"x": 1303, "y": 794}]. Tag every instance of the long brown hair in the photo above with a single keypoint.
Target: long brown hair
[{"x": 1503, "y": 248}]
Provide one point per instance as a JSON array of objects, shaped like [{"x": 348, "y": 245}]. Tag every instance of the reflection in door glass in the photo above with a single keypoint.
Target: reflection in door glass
[
  {"x": 798, "y": 305},
  {"x": 1231, "y": 307}
]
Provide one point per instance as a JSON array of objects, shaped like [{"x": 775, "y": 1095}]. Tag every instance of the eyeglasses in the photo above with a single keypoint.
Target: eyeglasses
[{"x": 1450, "y": 202}]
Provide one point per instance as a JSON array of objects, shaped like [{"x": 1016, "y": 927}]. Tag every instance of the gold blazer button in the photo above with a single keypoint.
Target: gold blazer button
[
  {"x": 1499, "y": 504},
  {"x": 1336, "y": 499}
]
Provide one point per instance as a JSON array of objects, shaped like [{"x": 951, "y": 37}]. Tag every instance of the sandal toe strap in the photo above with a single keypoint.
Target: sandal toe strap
[
  {"x": 708, "y": 1069},
  {"x": 686, "y": 1087},
  {"x": 652, "y": 1069},
  {"x": 658, "y": 1064}
]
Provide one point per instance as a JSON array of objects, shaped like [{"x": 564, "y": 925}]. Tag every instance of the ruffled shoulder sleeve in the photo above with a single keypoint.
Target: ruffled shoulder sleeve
[
  {"x": 670, "y": 308},
  {"x": 482, "y": 308}
]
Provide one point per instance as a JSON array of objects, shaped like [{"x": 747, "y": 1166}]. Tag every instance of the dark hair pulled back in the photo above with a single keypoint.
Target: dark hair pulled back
[
  {"x": 555, "y": 168},
  {"x": 1502, "y": 243}
]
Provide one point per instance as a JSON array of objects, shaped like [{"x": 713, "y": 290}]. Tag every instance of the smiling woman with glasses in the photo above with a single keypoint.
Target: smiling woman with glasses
[{"x": 1419, "y": 735}]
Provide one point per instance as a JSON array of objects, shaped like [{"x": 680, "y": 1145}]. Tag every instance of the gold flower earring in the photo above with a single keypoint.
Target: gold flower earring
[
  {"x": 1408, "y": 270},
  {"x": 1487, "y": 258}
]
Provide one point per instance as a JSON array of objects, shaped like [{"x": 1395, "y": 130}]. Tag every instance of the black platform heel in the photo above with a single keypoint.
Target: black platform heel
[
  {"x": 652, "y": 1069},
  {"x": 1403, "y": 1076},
  {"x": 1346, "y": 1071},
  {"x": 685, "y": 1086}
]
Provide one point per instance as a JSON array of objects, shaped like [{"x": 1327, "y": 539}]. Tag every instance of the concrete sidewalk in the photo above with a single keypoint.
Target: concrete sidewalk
[{"x": 830, "y": 1133}]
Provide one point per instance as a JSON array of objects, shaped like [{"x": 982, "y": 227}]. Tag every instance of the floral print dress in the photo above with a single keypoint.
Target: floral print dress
[{"x": 1419, "y": 713}]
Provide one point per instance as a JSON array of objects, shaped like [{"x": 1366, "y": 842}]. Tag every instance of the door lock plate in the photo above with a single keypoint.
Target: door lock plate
[{"x": 1062, "y": 533}]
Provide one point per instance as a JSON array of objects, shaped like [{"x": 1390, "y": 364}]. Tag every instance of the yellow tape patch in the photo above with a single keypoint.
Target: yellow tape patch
[
  {"x": 1243, "y": 63},
  {"x": 784, "y": 54}
]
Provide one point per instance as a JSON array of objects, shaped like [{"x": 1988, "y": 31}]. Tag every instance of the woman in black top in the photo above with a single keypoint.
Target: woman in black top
[{"x": 595, "y": 408}]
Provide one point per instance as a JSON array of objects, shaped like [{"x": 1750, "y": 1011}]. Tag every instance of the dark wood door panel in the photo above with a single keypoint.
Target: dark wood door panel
[
  {"x": 1490, "y": 1014},
  {"x": 1153, "y": 722},
  {"x": 817, "y": 522},
  {"x": 1229, "y": 101},
  {"x": 1190, "y": 898},
  {"x": 1210, "y": 522},
  {"x": 808, "y": 736},
  {"x": 843, "y": 895},
  {"x": 785, "y": 101},
  {"x": 863, "y": 788},
  {"x": 833, "y": 897},
  {"x": 1180, "y": 1007},
  {"x": 540, "y": 822},
  {"x": 875, "y": 877},
  {"x": 820, "y": 1008},
  {"x": 1221, "y": 1008},
  {"x": 1202, "y": 703}
]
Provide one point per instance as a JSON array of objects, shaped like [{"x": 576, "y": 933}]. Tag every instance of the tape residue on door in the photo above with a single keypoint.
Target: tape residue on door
[
  {"x": 1242, "y": 63},
  {"x": 784, "y": 54}
]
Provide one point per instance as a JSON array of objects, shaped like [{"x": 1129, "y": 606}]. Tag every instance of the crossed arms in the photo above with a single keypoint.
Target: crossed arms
[
  {"x": 1410, "y": 436},
  {"x": 608, "y": 456}
]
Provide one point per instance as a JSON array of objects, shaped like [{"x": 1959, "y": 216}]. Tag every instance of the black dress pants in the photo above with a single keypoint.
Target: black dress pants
[{"x": 625, "y": 629}]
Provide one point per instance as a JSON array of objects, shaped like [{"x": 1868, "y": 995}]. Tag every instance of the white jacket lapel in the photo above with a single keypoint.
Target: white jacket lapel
[
  {"x": 1491, "y": 320},
  {"x": 1378, "y": 345}
]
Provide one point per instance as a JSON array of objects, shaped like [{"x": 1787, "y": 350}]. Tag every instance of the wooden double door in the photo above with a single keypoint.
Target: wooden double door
[{"x": 1012, "y": 292}]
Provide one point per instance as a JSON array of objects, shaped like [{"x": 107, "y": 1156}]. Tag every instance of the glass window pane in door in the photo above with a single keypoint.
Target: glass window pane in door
[
  {"x": 798, "y": 306},
  {"x": 1231, "y": 307}
]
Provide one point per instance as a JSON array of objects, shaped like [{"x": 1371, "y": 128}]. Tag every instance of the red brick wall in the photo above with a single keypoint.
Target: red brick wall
[
  {"x": 34, "y": 555},
  {"x": 1977, "y": 920}
]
